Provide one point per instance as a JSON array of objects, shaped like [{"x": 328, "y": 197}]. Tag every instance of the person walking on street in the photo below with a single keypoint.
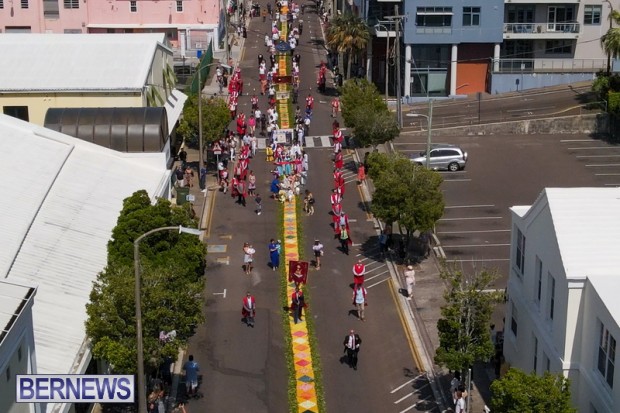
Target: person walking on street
[
  {"x": 359, "y": 269},
  {"x": 191, "y": 376},
  {"x": 297, "y": 304},
  {"x": 248, "y": 257},
  {"x": 248, "y": 311},
  {"x": 317, "y": 248},
  {"x": 359, "y": 300},
  {"x": 259, "y": 204},
  {"x": 352, "y": 344},
  {"x": 344, "y": 239},
  {"x": 410, "y": 280},
  {"x": 274, "y": 254}
]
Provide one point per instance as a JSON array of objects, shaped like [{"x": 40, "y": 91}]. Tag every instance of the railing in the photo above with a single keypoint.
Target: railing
[
  {"x": 542, "y": 28},
  {"x": 433, "y": 30},
  {"x": 385, "y": 26},
  {"x": 551, "y": 65}
]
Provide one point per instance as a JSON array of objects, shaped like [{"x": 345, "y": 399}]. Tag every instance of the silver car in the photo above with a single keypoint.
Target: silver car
[{"x": 443, "y": 156}]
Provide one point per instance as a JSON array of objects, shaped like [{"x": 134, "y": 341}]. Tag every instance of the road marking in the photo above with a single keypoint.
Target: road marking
[
  {"x": 216, "y": 248},
  {"x": 224, "y": 260},
  {"x": 406, "y": 383},
  {"x": 612, "y": 184},
  {"x": 607, "y": 174},
  {"x": 575, "y": 140},
  {"x": 530, "y": 109},
  {"x": 377, "y": 283},
  {"x": 404, "y": 398},
  {"x": 408, "y": 408},
  {"x": 468, "y": 219},
  {"x": 588, "y": 147},
  {"x": 457, "y": 180},
  {"x": 468, "y": 206},
  {"x": 474, "y": 245},
  {"x": 602, "y": 165},
  {"x": 309, "y": 142},
  {"x": 222, "y": 294},
  {"x": 325, "y": 141},
  {"x": 375, "y": 276},
  {"x": 597, "y": 156},
  {"x": 473, "y": 232}
]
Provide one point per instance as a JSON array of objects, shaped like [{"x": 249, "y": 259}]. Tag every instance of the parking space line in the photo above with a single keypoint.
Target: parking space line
[
  {"x": 406, "y": 383},
  {"x": 468, "y": 206},
  {"x": 602, "y": 165},
  {"x": 612, "y": 184},
  {"x": 481, "y": 260},
  {"x": 457, "y": 180},
  {"x": 467, "y": 219},
  {"x": 375, "y": 276},
  {"x": 607, "y": 174},
  {"x": 588, "y": 147},
  {"x": 404, "y": 398},
  {"x": 377, "y": 283},
  {"x": 473, "y": 232},
  {"x": 575, "y": 140},
  {"x": 474, "y": 245},
  {"x": 597, "y": 156}
]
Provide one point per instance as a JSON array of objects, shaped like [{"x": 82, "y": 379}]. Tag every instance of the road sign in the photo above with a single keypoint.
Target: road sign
[{"x": 216, "y": 149}]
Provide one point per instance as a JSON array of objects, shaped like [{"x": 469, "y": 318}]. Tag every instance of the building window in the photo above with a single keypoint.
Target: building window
[
  {"x": 471, "y": 16},
  {"x": 73, "y": 31},
  {"x": 50, "y": 9},
  {"x": 72, "y": 4},
  {"x": 133, "y": 6},
  {"x": 434, "y": 16},
  {"x": 606, "y": 355},
  {"x": 551, "y": 296},
  {"x": 514, "y": 320},
  {"x": 520, "y": 257},
  {"x": 24, "y": 4},
  {"x": 19, "y": 112},
  {"x": 592, "y": 15},
  {"x": 558, "y": 47},
  {"x": 535, "y": 354},
  {"x": 539, "y": 267},
  {"x": 179, "y": 6},
  {"x": 1, "y": 4}
]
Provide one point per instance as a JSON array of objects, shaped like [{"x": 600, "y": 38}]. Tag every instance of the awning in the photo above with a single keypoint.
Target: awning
[{"x": 174, "y": 108}]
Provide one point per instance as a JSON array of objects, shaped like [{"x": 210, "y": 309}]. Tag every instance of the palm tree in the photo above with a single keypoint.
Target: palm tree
[
  {"x": 611, "y": 40},
  {"x": 348, "y": 34}
]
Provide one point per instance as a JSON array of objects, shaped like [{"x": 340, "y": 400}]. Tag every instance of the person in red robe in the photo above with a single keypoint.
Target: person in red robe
[
  {"x": 339, "y": 160},
  {"x": 297, "y": 277},
  {"x": 248, "y": 311},
  {"x": 359, "y": 269}
]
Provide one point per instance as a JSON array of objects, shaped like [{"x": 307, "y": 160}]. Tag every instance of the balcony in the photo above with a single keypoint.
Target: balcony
[
  {"x": 543, "y": 30},
  {"x": 385, "y": 28},
  {"x": 550, "y": 65}
]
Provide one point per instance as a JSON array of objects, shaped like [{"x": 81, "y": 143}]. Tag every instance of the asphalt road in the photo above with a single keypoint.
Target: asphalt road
[
  {"x": 503, "y": 171},
  {"x": 563, "y": 100},
  {"x": 244, "y": 369}
]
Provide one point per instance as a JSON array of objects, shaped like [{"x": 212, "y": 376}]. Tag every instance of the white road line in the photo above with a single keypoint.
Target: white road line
[
  {"x": 529, "y": 109},
  {"x": 612, "y": 184},
  {"x": 377, "y": 283},
  {"x": 473, "y": 232},
  {"x": 468, "y": 206},
  {"x": 325, "y": 141},
  {"x": 473, "y": 245},
  {"x": 406, "y": 383},
  {"x": 404, "y": 398},
  {"x": 597, "y": 156},
  {"x": 607, "y": 174},
  {"x": 350, "y": 180},
  {"x": 602, "y": 165},
  {"x": 481, "y": 260},
  {"x": 575, "y": 140},
  {"x": 375, "y": 276},
  {"x": 409, "y": 408},
  {"x": 468, "y": 219},
  {"x": 457, "y": 180},
  {"x": 410, "y": 143},
  {"x": 588, "y": 147},
  {"x": 309, "y": 142}
]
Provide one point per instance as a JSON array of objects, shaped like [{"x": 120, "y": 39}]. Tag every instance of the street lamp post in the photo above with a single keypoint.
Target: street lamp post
[
  {"x": 138, "y": 304},
  {"x": 429, "y": 120},
  {"x": 387, "y": 58}
]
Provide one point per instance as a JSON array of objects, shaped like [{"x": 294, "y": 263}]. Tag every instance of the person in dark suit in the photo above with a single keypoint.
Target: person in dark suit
[{"x": 352, "y": 343}]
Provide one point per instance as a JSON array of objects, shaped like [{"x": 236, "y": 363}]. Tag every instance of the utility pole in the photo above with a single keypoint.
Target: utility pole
[
  {"x": 226, "y": 24},
  {"x": 201, "y": 161},
  {"x": 397, "y": 19}
]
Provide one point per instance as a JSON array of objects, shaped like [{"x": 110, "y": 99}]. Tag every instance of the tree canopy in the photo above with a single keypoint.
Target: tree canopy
[
  {"x": 348, "y": 34},
  {"x": 405, "y": 193},
  {"x": 464, "y": 336},
  {"x": 364, "y": 110},
  {"x": 172, "y": 282},
  {"x": 518, "y": 392},
  {"x": 215, "y": 118}
]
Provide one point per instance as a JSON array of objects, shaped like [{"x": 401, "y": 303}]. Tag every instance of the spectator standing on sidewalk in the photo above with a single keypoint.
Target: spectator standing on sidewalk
[
  {"x": 359, "y": 300},
  {"x": 410, "y": 280}
]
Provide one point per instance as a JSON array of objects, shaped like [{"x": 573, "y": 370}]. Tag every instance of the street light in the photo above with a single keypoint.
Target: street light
[
  {"x": 387, "y": 58},
  {"x": 138, "y": 288},
  {"x": 429, "y": 120}
]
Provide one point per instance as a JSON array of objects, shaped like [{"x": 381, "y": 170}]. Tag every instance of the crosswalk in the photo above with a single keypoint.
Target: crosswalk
[{"x": 311, "y": 142}]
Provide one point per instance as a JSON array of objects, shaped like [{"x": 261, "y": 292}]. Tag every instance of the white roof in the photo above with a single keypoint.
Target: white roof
[
  {"x": 587, "y": 225},
  {"x": 174, "y": 107},
  {"x": 77, "y": 62},
  {"x": 61, "y": 199},
  {"x": 13, "y": 298}
]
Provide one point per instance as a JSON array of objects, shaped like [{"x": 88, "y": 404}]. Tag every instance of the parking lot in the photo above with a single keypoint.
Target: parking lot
[{"x": 503, "y": 171}]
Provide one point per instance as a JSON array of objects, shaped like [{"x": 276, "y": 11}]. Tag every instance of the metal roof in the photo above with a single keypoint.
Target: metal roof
[
  {"x": 174, "y": 108},
  {"x": 77, "y": 62},
  {"x": 61, "y": 199},
  {"x": 13, "y": 299}
]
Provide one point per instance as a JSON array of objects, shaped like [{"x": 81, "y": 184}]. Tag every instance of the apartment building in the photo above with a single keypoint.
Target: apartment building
[
  {"x": 188, "y": 24},
  {"x": 563, "y": 311}
]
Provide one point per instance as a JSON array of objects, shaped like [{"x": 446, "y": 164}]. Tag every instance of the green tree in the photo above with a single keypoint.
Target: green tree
[
  {"x": 348, "y": 34},
  {"x": 611, "y": 39},
  {"x": 464, "y": 336},
  {"x": 172, "y": 281},
  {"x": 215, "y": 118},
  {"x": 359, "y": 96},
  {"x": 374, "y": 128},
  {"x": 518, "y": 392},
  {"x": 405, "y": 193}
]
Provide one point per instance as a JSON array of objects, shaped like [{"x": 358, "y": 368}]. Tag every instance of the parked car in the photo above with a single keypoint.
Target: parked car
[{"x": 443, "y": 156}]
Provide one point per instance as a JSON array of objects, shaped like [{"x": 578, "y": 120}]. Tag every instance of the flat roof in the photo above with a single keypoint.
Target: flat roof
[
  {"x": 62, "y": 197},
  {"x": 77, "y": 62}
]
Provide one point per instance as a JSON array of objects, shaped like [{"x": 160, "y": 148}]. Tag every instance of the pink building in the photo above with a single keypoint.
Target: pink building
[{"x": 188, "y": 24}]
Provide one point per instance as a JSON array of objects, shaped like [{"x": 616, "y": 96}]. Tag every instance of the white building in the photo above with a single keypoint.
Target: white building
[
  {"x": 17, "y": 352},
  {"x": 61, "y": 200},
  {"x": 563, "y": 310}
]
